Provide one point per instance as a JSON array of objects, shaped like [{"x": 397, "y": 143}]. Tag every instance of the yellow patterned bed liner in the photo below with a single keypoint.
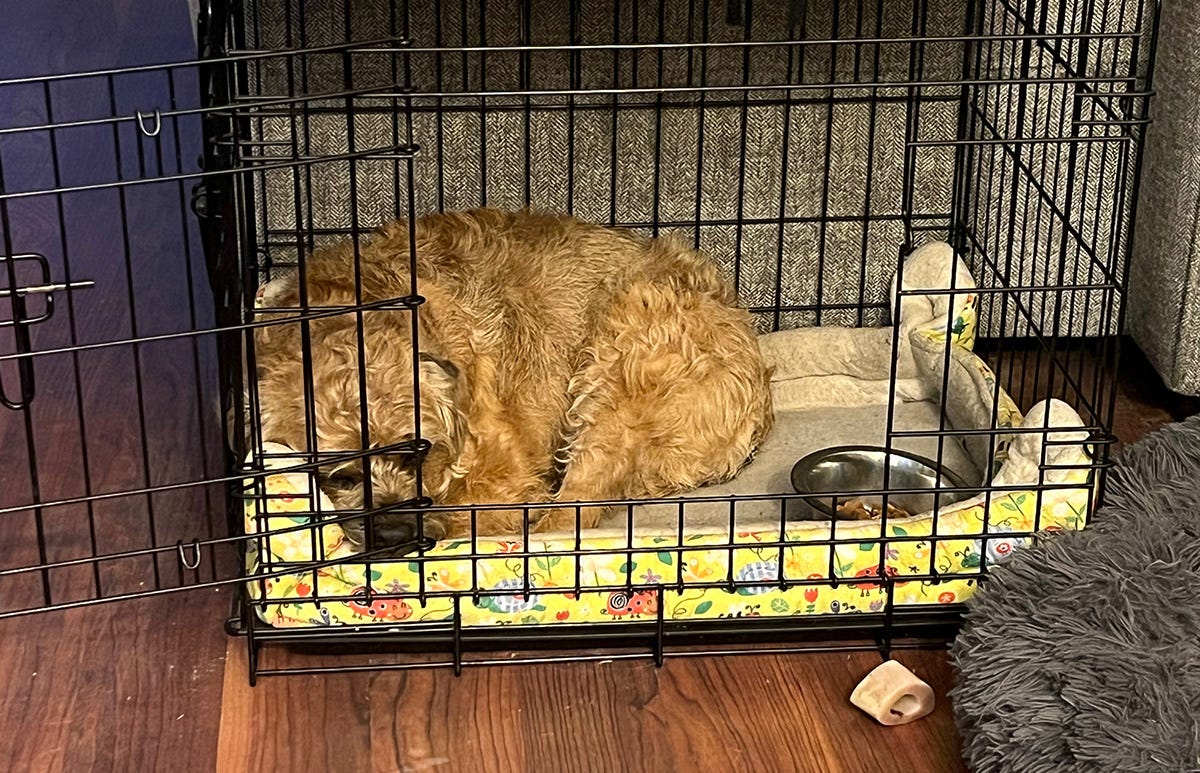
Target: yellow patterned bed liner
[{"x": 650, "y": 562}]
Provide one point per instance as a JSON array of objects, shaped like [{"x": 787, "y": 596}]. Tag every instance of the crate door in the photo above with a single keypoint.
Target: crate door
[{"x": 111, "y": 455}]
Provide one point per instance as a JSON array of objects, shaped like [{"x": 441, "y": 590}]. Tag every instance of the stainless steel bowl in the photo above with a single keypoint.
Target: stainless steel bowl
[{"x": 844, "y": 470}]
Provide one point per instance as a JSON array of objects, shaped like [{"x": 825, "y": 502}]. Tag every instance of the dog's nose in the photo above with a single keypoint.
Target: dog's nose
[{"x": 394, "y": 531}]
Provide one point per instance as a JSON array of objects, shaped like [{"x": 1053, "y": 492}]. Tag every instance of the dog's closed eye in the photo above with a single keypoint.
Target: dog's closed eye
[
  {"x": 344, "y": 478},
  {"x": 348, "y": 476},
  {"x": 407, "y": 462}
]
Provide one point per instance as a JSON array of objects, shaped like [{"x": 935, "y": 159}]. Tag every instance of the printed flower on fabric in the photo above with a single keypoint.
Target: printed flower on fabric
[
  {"x": 452, "y": 577},
  {"x": 699, "y": 569},
  {"x": 890, "y": 551},
  {"x": 999, "y": 549},
  {"x": 798, "y": 563},
  {"x": 811, "y": 592}
]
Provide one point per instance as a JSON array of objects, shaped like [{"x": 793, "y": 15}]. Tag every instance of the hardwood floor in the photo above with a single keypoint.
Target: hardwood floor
[
  {"x": 763, "y": 713},
  {"x": 155, "y": 685}
]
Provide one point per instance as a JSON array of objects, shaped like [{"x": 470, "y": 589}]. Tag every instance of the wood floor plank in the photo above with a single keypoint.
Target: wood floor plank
[
  {"x": 133, "y": 686},
  {"x": 421, "y": 720},
  {"x": 301, "y": 723},
  {"x": 597, "y": 708}
]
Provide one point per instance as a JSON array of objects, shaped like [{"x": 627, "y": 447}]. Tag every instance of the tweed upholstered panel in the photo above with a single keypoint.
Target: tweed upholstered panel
[
  {"x": 1164, "y": 288},
  {"x": 827, "y": 251},
  {"x": 806, "y": 186},
  {"x": 1051, "y": 204}
]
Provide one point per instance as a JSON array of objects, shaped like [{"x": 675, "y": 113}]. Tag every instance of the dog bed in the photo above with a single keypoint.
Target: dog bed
[
  {"x": 830, "y": 387},
  {"x": 1083, "y": 653}
]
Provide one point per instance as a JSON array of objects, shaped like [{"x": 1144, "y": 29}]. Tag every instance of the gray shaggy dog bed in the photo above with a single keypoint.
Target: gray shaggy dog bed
[{"x": 1082, "y": 653}]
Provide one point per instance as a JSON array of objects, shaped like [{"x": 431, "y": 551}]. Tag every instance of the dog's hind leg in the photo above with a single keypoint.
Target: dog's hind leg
[{"x": 673, "y": 396}]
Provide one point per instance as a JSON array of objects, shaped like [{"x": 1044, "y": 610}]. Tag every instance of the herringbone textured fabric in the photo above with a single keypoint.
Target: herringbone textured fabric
[
  {"x": 1165, "y": 285},
  {"x": 806, "y": 186}
]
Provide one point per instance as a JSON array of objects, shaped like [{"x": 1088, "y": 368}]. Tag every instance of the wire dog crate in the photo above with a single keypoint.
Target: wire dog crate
[{"x": 806, "y": 147}]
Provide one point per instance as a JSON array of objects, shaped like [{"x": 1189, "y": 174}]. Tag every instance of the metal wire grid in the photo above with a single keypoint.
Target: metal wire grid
[{"x": 1013, "y": 131}]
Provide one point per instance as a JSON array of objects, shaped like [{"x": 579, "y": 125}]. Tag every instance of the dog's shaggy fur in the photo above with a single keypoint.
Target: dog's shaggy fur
[{"x": 559, "y": 361}]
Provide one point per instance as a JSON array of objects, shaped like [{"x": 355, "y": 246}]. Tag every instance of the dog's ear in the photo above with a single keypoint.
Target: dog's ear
[
  {"x": 441, "y": 388},
  {"x": 437, "y": 369},
  {"x": 443, "y": 421}
]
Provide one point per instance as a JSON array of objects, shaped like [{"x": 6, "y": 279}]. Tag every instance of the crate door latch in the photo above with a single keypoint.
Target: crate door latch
[{"x": 26, "y": 299}]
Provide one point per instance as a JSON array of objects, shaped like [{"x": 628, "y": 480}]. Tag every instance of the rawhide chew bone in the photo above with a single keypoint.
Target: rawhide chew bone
[{"x": 893, "y": 695}]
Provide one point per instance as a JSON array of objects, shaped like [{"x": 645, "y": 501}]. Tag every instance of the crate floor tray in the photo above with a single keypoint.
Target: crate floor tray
[{"x": 736, "y": 549}]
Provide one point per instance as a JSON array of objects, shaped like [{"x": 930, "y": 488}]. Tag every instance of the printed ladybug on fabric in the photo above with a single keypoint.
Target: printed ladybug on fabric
[
  {"x": 873, "y": 571},
  {"x": 364, "y": 604},
  {"x": 622, "y": 604}
]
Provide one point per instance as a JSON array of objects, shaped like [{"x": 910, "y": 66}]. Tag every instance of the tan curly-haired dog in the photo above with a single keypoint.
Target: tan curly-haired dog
[{"x": 559, "y": 361}]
